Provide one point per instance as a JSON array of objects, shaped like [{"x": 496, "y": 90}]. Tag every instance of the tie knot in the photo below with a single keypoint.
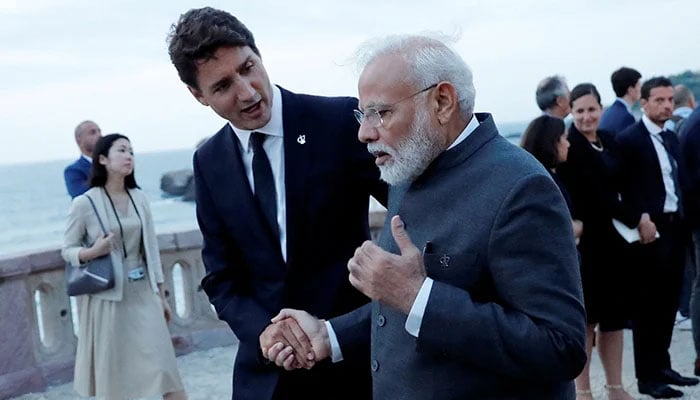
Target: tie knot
[{"x": 256, "y": 140}]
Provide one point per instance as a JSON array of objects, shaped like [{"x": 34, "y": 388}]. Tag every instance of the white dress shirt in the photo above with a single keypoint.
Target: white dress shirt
[{"x": 274, "y": 148}]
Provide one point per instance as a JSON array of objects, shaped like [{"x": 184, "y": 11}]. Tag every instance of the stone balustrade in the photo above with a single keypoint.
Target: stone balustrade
[{"x": 37, "y": 332}]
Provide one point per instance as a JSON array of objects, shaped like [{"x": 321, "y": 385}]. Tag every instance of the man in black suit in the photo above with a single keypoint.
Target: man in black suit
[
  {"x": 282, "y": 193},
  {"x": 651, "y": 174},
  {"x": 689, "y": 134}
]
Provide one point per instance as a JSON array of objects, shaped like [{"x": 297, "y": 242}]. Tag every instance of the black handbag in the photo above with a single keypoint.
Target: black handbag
[{"x": 94, "y": 276}]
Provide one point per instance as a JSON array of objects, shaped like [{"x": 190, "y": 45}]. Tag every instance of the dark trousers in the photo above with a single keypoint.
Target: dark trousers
[
  {"x": 657, "y": 285},
  {"x": 688, "y": 278}
]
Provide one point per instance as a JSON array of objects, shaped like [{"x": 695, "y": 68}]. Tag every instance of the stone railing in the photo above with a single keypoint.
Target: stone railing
[
  {"x": 37, "y": 332},
  {"x": 37, "y": 329}
]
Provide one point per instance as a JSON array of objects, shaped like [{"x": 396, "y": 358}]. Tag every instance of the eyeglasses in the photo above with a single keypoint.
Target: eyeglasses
[{"x": 375, "y": 117}]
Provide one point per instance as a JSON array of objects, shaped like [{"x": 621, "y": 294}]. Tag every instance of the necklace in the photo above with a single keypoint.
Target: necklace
[{"x": 597, "y": 145}]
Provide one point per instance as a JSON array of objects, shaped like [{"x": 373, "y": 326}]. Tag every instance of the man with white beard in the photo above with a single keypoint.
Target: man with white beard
[{"x": 475, "y": 282}]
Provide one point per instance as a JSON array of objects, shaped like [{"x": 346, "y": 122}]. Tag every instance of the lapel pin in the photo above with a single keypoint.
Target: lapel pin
[
  {"x": 445, "y": 260},
  {"x": 301, "y": 139}
]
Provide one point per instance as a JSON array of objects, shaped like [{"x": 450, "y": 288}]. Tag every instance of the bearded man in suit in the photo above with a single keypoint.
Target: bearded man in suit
[{"x": 475, "y": 281}]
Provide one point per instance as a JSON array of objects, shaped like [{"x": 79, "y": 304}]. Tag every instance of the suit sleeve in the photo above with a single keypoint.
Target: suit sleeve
[
  {"x": 353, "y": 331},
  {"x": 226, "y": 283},
  {"x": 537, "y": 331},
  {"x": 76, "y": 181},
  {"x": 629, "y": 181},
  {"x": 690, "y": 151}
]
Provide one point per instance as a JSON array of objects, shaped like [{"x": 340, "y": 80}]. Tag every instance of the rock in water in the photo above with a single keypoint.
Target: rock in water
[{"x": 176, "y": 183}]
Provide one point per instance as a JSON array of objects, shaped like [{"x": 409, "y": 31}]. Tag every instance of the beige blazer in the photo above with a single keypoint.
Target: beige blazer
[{"x": 83, "y": 228}]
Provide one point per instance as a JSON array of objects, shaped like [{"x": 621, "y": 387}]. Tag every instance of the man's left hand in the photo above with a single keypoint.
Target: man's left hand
[{"x": 389, "y": 278}]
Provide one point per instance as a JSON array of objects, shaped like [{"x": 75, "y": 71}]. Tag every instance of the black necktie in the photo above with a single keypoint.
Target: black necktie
[
  {"x": 264, "y": 182},
  {"x": 667, "y": 137}
]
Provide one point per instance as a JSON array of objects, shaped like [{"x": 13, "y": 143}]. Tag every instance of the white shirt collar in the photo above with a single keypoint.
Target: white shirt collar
[
  {"x": 273, "y": 127},
  {"x": 651, "y": 127},
  {"x": 87, "y": 158},
  {"x": 471, "y": 127}
]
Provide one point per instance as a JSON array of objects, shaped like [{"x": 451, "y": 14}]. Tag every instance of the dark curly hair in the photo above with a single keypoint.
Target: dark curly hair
[{"x": 198, "y": 34}]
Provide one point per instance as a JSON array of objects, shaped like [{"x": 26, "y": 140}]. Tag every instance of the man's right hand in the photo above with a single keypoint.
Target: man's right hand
[
  {"x": 314, "y": 329},
  {"x": 289, "y": 339},
  {"x": 647, "y": 229}
]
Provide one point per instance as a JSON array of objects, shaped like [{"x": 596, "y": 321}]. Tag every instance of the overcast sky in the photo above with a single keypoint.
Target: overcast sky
[{"x": 63, "y": 61}]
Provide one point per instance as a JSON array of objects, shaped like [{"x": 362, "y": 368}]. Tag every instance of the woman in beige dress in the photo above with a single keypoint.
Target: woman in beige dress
[{"x": 124, "y": 347}]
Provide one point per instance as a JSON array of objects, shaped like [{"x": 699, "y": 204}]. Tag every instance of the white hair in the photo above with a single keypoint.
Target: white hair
[{"x": 430, "y": 60}]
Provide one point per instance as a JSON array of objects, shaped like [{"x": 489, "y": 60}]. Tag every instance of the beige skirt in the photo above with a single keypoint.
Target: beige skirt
[{"x": 124, "y": 348}]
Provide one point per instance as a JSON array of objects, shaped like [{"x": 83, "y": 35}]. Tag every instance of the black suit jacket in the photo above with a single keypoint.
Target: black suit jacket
[
  {"x": 328, "y": 180},
  {"x": 690, "y": 153},
  {"x": 616, "y": 118},
  {"x": 641, "y": 182}
]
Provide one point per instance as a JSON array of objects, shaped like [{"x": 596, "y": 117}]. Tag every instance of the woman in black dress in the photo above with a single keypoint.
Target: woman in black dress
[{"x": 589, "y": 175}]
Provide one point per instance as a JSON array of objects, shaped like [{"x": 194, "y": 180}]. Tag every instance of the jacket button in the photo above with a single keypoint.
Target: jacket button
[
  {"x": 381, "y": 321},
  {"x": 375, "y": 365}
]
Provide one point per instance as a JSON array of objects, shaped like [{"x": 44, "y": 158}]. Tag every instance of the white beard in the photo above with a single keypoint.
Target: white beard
[{"x": 412, "y": 155}]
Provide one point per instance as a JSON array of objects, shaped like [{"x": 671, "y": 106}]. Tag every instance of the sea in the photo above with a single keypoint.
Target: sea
[{"x": 34, "y": 202}]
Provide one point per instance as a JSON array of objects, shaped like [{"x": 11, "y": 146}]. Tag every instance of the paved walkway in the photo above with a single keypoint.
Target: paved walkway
[{"x": 207, "y": 374}]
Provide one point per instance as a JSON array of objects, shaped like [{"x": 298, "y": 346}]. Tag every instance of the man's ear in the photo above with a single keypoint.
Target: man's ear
[
  {"x": 562, "y": 102},
  {"x": 446, "y": 101},
  {"x": 198, "y": 95}
]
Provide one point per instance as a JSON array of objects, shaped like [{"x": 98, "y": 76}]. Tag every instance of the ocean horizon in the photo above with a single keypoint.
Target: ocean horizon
[{"x": 34, "y": 202}]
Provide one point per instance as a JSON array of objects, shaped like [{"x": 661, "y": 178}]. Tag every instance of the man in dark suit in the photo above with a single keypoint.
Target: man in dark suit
[
  {"x": 475, "y": 281},
  {"x": 651, "y": 175},
  {"x": 76, "y": 174},
  {"x": 618, "y": 116},
  {"x": 274, "y": 187},
  {"x": 689, "y": 134}
]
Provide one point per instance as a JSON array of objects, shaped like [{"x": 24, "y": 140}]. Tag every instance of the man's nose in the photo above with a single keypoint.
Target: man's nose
[
  {"x": 367, "y": 134},
  {"x": 245, "y": 90}
]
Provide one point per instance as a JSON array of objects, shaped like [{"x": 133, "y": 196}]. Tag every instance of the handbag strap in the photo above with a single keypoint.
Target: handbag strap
[{"x": 92, "y": 203}]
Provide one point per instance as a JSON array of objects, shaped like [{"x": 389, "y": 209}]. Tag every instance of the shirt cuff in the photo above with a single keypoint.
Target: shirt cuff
[
  {"x": 336, "y": 354},
  {"x": 415, "y": 316}
]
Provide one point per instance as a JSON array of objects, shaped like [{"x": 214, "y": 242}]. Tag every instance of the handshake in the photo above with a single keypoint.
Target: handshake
[{"x": 295, "y": 339}]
